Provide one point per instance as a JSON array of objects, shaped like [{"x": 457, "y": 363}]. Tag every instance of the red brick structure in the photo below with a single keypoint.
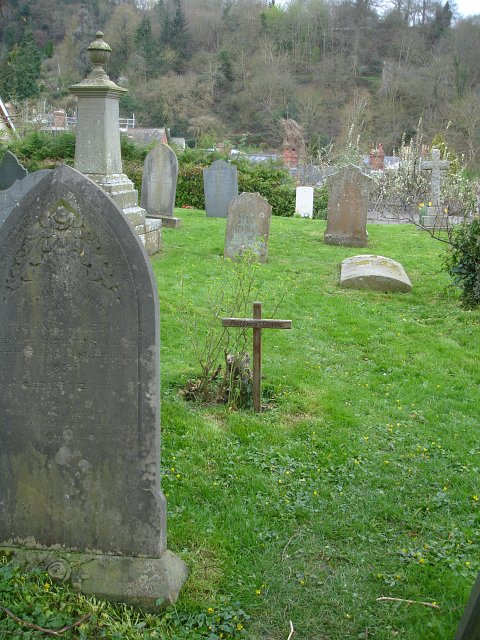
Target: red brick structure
[{"x": 376, "y": 159}]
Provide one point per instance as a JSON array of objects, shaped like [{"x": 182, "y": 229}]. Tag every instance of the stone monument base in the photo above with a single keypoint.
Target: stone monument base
[
  {"x": 435, "y": 219},
  {"x": 148, "y": 583},
  {"x": 345, "y": 241},
  {"x": 121, "y": 189}
]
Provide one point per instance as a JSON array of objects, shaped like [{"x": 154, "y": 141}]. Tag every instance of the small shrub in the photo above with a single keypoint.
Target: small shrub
[
  {"x": 463, "y": 261},
  {"x": 190, "y": 187},
  {"x": 40, "y": 150},
  {"x": 320, "y": 202}
]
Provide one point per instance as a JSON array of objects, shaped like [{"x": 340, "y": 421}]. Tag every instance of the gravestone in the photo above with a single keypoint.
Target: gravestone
[
  {"x": 309, "y": 175},
  {"x": 220, "y": 184},
  {"x": 10, "y": 197},
  {"x": 347, "y": 207},
  {"x": 79, "y": 418},
  {"x": 375, "y": 273},
  {"x": 304, "y": 202},
  {"x": 10, "y": 170},
  {"x": 436, "y": 217},
  {"x": 159, "y": 184},
  {"x": 248, "y": 226}
]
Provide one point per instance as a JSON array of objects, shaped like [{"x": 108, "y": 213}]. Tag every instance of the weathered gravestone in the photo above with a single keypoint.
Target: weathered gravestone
[
  {"x": 10, "y": 197},
  {"x": 79, "y": 417},
  {"x": 220, "y": 184},
  {"x": 248, "y": 226},
  {"x": 347, "y": 207},
  {"x": 376, "y": 273},
  {"x": 309, "y": 175},
  {"x": 304, "y": 202},
  {"x": 10, "y": 170},
  {"x": 159, "y": 184}
]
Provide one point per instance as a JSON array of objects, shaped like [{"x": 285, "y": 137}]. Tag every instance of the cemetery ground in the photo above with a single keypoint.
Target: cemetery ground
[{"x": 358, "y": 481}]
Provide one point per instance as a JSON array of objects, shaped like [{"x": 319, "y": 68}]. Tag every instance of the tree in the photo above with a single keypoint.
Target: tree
[
  {"x": 145, "y": 45},
  {"x": 21, "y": 70}
]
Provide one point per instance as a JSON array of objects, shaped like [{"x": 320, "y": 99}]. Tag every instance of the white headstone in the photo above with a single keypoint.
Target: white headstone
[{"x": 304, "y": 202}]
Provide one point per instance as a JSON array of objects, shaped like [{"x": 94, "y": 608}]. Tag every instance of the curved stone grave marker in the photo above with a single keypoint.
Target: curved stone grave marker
[{"x": 376, "y": 273}]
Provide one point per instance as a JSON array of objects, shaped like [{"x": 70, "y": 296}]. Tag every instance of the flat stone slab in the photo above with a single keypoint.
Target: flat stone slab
[{"x": 376, "y": 273}]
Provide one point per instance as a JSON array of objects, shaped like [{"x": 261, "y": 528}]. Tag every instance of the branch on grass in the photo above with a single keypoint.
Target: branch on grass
[
  {"x": 50, "y": 632},
  {"x": 433, "y": 605},
  {"x": 292, "y": 631}
]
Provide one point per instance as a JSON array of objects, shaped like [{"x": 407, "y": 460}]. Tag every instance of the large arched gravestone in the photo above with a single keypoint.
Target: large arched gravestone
[{"x": 79, "y": 412}]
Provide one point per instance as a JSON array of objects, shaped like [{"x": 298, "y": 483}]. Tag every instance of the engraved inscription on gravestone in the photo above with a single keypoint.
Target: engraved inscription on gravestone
[
  {"x": 79, "y": 417},
  {"x": 220, "y": 184}
]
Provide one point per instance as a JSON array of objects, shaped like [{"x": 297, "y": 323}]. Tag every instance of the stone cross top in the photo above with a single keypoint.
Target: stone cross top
[{"x": 436, "y": 166}]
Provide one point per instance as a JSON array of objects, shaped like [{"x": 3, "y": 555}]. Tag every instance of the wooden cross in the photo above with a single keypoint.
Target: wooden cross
[
  {"x": 436, "y": 166},
  {"x": 257, "y": 323}
]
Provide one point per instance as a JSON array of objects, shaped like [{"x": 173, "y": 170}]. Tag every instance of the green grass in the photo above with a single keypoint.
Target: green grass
[{"x": 361, "y": 480}]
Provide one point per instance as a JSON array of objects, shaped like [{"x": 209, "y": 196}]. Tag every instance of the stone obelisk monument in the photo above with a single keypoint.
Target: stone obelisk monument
[{"x": 97, "y": 150}]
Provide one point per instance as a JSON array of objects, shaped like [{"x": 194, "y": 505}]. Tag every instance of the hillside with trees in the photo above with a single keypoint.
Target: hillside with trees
[{"x": 226, "y": 68}]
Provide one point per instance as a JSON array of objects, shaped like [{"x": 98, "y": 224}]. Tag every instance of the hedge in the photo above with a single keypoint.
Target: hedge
[{"x": 40, "y": 150}]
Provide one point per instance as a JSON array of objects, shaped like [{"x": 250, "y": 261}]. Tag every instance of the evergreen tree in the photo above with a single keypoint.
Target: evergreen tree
[
  {"x": 21, "y": 70},
  {"x": 164, "y": 21},
  {"x": 29, "y": 62},
  {"x": 180, "y": 34},
  {"x": 145, "y": 45}
]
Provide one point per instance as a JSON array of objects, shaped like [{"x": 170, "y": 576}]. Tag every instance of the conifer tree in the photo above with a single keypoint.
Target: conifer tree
[
  {"x": 21, "y": 70},
  {"x": 145, "y": 45},
  {"x": 180, "y": 35}
]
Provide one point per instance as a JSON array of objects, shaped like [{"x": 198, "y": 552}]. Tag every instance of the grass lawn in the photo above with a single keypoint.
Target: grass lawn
[{"x": 360, "y": 481}]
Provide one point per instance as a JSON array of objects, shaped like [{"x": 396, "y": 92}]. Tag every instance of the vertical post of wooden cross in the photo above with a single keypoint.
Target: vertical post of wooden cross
[
  {"x": 257, "y": 323},
  {"x": 257, "y": 359}
]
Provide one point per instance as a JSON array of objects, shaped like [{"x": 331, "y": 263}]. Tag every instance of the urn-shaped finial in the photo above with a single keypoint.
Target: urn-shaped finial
[{"x": 99, "y": 53}]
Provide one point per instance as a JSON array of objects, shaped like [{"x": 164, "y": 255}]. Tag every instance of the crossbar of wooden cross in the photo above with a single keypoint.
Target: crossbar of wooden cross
[{"x": 257, "y": 323}]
